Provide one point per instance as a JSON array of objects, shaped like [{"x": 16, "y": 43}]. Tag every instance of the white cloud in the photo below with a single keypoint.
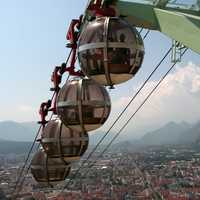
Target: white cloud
[
  {"x": 23, "y": 113},
  {"x": 188, "y": 77},
  {"x": 25, "y": 108},
  {"x": 19, "y": 113},
  {"x": 177, "y": 99}
]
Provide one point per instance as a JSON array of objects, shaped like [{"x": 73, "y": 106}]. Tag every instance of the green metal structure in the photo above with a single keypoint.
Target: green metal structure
[{"x": 178, "y": 22}]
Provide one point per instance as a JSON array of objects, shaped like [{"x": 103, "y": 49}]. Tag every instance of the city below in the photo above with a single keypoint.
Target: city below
[{"x": 156, "y": 172}]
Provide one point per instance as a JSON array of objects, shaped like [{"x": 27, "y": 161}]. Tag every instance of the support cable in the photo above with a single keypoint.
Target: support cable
[
  {"x": 28, "y": 168},
  {"x": 141, "y": 30},
  {"x": 146, "y": 34},
  {"x": 141, "y": 105},
  {"x": 67, "y": 60},
  {"x": 33, "y": 144},
  {"x": 101, "y": 140},
  {"x": 21, "y": 176},
  {"x": 124, "y": 126},
  {"x": 27, "y": 158},
  {"x": 28, "y": 155}
]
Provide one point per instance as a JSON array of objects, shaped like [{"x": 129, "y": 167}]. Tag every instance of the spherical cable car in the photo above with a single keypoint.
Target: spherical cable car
[
  {"x": 48, "y": 171},
  {"x": 110, "y": 50},
  {"x": 83, "y": 105},
  {"x": 62, "y": 142}
]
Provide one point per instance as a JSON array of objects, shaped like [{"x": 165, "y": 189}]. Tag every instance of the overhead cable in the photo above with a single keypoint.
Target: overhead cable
[
  {"x": 21, "y": 176},
  {"x": 139, "y": 107},
  {"x": 101, "y": 140}
]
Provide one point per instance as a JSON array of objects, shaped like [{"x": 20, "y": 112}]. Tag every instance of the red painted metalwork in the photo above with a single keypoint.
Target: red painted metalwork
[
  {"x": 43, "y": 111},
  {"x": 56, "y": 79},
  {"x": 72, "y": 36},
  {"x": 101, "y": 9}
]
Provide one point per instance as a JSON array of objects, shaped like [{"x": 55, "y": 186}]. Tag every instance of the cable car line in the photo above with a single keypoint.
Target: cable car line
[
  {"x": 18, "y": 190},
  {"x": 37, "y": 134},
  {"x": 91, "y": 97},
  {"x": 82, "y": 105},
  {"x": 141, "y": 30},
  {"x": 146, "y": 34},
  {"x": 125, "y": 108},
  {"x": 105, "y": 135},
  {"x": 124, "y": 126},
  {"x": 33, "y": 144},
  {"x": 27, "y": 158},
  {"x": 67, "y": 60},
  {"x": 141, "y": 105},
  {"x": 101, "y": 140},
  {"x": 29, "y": 153},
  {"x": 21, "y": 176}
]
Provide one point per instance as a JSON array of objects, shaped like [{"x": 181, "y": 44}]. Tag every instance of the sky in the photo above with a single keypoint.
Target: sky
[{"x": 33, "y": 41}]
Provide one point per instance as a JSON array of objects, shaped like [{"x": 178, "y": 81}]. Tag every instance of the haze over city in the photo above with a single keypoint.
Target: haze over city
[
  {"x": 33, "y": 41},
  {"x": 156, "y": 156}
]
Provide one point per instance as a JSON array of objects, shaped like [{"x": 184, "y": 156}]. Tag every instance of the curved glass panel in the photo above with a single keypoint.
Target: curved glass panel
[
  {"x": 89, "y": 111},
  {"x": 60, "y": 141},
  {"x": 120, "y": 31},
  {"x": 114, "y": 59},
  {"x": 45, "y": 169},
  {"x": 93, "y": 32}
]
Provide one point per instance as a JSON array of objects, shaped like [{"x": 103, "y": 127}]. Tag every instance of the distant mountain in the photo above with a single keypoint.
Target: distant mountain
[
  {"x": 13, "y": 136},
  {"x": 23, "y": 132},
  {"x": 126, "y": 146},
  {"x": 192, "y": 135},
  {"x": 2, "y": 195},
  {"x": 14, "y": 131},
  {"x": 96, "y": 136},
  {"x": 171, "y": 133},
  {"x": 7, "y": 147},
  {"x": 30, "y": 125}
]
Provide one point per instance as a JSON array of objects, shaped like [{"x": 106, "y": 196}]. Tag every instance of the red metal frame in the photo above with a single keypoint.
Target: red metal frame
[
  {"x": 43, "y": 111},
  {"x": 100, "y": 10},
  {"x": 72, "y": 36},
  {"x": 56, "y": 78}
]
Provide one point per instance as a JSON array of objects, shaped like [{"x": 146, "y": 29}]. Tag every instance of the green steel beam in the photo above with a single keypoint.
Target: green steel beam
[
  {"x": 141, "y": 15},
  {"x": 161, "y": 3},
  {"x": 181, "y": 27},
  {"x": 180, "y": 24}
]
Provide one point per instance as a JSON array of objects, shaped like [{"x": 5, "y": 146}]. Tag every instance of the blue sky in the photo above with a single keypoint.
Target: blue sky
[{"x": 33, "y": 41}]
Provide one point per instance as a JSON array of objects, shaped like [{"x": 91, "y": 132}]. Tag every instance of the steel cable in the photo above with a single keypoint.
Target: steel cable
[
  {"x": 141, "y": 105},
  {"x": 101, "y": 140},
  {"x": 33, "y": 144}
]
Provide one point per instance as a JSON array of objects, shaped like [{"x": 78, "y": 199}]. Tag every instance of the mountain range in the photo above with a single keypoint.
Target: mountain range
[
  {"x": 10, "y": 147},
  {"x": 172, "y": 133},
  {"x": 13, "y": 135},
  {"x": 21, "y": 132}
]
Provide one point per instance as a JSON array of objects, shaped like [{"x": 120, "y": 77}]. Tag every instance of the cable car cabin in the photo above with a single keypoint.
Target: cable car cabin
[
  {"x": 83, "y": 105},
  {"x": 48, "y": 171},
  {"x": 110, "y": 50},
  {"x": 61, "y": 141}
]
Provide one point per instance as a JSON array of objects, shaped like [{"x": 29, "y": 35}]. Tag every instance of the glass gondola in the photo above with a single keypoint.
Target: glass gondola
[
  {"x": 83, "y": 105},
  {"x": 48, "y": 171},
  {"x": 62, "y": 142},
  {"x": 110, "y": 50}
]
